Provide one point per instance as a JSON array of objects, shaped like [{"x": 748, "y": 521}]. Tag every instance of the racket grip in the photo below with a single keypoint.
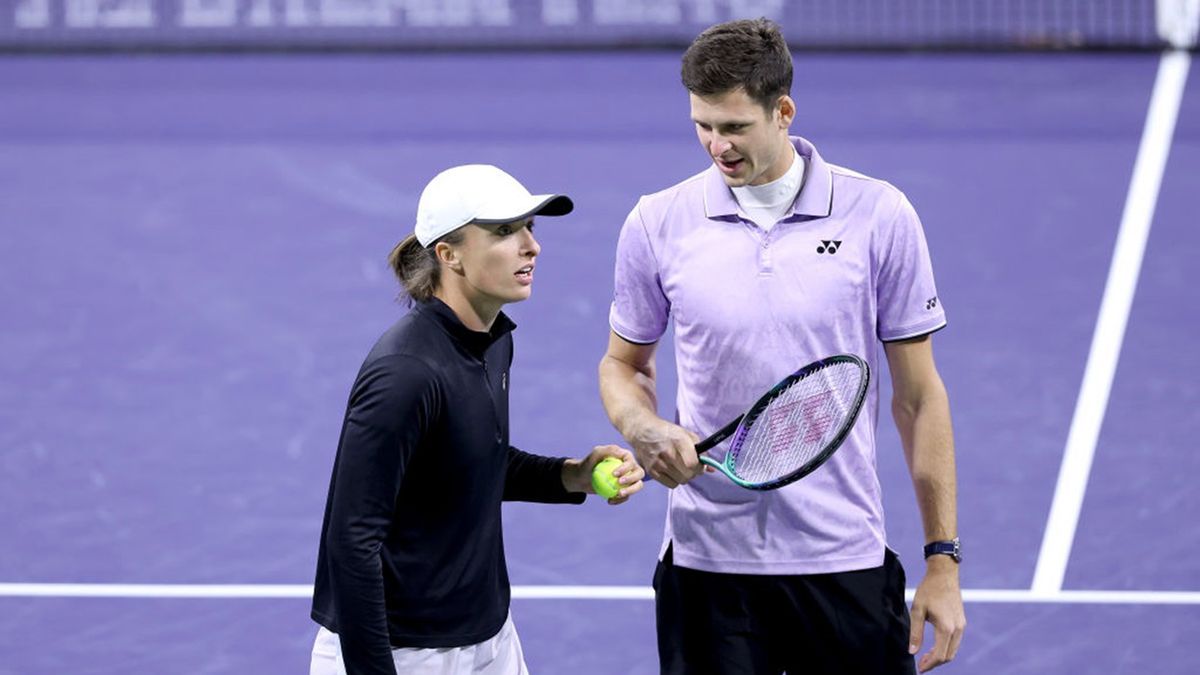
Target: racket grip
[{"x": 712, "y": 441}]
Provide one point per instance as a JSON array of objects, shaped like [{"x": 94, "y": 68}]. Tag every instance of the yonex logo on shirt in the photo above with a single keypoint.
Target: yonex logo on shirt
[
  {"x": 931, "y": 303},
  {"x": 830, "y": 245}
]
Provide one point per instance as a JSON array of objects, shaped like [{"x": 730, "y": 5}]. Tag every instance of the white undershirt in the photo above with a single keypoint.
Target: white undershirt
[{"x": 767, "y": 204}]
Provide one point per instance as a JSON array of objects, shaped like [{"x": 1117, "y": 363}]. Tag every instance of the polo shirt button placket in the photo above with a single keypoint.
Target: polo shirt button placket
[{"x": 764, "y": 255}]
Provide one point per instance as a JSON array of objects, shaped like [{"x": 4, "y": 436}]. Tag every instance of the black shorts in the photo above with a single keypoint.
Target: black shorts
[{"x": 845, "y": 623}]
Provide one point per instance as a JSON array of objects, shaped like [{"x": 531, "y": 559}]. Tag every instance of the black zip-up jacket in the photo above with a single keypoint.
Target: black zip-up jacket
[{"x": 411, "y": 551}]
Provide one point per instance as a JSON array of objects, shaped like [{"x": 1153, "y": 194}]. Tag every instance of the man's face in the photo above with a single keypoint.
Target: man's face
[{"x": 748, "y": 144}]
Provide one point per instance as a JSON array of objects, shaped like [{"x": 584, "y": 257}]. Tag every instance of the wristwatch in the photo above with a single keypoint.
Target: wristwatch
[{"x": 951, "y": 548}]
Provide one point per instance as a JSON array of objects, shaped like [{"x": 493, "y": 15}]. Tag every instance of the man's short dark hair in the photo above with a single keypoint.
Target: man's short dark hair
[{"x": 748, "y": 54}]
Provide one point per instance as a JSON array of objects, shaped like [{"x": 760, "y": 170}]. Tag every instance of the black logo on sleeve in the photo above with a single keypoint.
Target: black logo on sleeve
[
  {"x": 931, "y": 303},
  {"x": 829, "y": 246}
]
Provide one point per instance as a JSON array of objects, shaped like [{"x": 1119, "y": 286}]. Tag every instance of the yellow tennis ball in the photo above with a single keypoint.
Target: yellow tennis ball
[{"x": 603, "y": 481}]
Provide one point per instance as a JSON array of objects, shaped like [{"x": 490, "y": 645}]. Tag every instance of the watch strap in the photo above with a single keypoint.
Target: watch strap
[{"x": 950, "y": 547}]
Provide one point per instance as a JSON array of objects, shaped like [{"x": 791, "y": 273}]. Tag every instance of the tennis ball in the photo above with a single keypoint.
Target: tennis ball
[{"x": 603, "y": 480}]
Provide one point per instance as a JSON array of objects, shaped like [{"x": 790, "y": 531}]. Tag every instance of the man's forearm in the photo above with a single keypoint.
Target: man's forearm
[
  {"x": 628, "y": 394},
  {"x": 928, "y": 439}
]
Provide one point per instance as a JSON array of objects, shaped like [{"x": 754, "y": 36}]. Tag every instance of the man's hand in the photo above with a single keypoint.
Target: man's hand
[
  {"x": 667, "y": 451},
  {"x": 939, "y": 601}
]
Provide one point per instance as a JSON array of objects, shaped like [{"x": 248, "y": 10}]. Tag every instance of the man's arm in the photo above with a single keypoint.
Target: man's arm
[
  {"x": 921, "y": 409},
  {"x": 627, "y": 388}
]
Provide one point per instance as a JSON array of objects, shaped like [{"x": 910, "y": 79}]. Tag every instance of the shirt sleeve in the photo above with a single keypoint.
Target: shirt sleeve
[
  {"x": 390, "y": 410},
  {"x": 534, "y": 478},
  {"x": 906, "y": 296},
  {"x": 640, "y": 308}
]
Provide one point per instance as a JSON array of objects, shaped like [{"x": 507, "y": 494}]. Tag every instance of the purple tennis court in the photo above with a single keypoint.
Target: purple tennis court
[{"x": 193, "y": 266}]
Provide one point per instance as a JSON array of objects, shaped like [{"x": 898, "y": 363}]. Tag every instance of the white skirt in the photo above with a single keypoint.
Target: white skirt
[{"x": 499, "y": 655}]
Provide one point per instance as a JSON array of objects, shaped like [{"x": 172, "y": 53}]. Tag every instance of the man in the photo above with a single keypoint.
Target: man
[
  {"x": 770, "y": 259},
  {"x": 411, "y": 576}
]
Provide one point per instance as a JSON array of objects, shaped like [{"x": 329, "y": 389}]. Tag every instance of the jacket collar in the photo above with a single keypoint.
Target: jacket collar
[{"x": 476, "y": 342}]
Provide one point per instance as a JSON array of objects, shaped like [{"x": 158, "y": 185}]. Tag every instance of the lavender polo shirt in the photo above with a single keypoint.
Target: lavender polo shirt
[{"x": 846, "y": 268}]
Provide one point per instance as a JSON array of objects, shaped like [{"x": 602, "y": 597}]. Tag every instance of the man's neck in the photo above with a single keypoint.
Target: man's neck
[{"x": 787, "y": 155}]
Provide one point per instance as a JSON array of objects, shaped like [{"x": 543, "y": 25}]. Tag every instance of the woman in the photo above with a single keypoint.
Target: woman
[{"x": 411, "y": 575}]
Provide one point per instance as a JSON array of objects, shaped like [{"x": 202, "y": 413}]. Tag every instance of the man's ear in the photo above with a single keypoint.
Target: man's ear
[{"x": 786, "y": 108}]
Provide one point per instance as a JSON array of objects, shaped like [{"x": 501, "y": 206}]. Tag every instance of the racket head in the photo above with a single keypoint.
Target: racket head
[{"x": 797, "y": 426}]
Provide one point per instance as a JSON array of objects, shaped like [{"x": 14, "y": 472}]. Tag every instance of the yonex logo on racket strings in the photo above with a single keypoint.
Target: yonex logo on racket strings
[
  {"x": 829, "y": 246},
  {"x": 811, "y": 416}
]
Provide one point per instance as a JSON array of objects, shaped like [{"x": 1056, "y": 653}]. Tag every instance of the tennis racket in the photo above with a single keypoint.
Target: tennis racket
[{"x": 795, "y": 427}]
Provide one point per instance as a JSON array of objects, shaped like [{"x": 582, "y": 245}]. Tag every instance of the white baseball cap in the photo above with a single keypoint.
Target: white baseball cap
[{"x": 479, "y": 193}]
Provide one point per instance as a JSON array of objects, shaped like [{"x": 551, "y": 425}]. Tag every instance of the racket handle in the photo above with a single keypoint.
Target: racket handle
[{"x": 712, "y": 441}]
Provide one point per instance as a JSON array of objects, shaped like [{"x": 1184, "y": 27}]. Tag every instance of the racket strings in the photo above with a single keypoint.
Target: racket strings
[{"x": 794, "y": 429}]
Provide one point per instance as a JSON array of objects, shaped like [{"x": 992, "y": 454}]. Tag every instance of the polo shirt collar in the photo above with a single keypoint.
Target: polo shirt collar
[
  {"x": 477, "y": 342},
  {"x": 816, "y": 192}
]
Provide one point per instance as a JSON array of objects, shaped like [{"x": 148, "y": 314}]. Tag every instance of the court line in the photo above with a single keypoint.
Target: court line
[
  {"x": 1119, "y": 290},
  {"x": 267, "y": 591}
]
